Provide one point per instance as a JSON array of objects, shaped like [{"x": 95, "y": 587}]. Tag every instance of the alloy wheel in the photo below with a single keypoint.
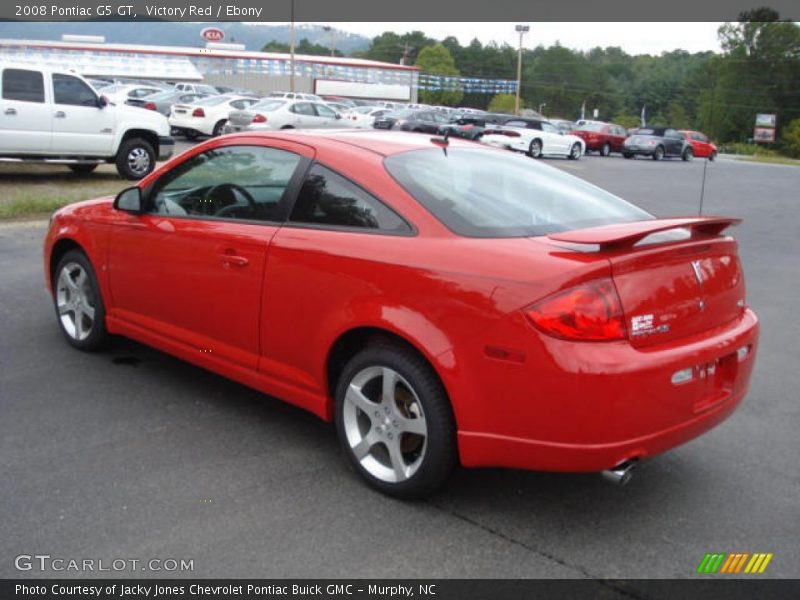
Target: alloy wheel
[{"x": 75, "y": 301}]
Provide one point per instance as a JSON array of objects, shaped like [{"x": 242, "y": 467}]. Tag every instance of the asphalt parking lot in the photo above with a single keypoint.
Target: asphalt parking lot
[{"x": 134, "y": 454}]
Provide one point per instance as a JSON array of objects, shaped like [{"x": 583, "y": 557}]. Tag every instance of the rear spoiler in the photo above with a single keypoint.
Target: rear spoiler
[{"x": 625, "y": 235}]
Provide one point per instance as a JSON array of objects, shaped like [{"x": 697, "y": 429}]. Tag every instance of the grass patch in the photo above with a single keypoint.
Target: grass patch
[
  {"x": 28, "y": 190},
  {"x": 775, "y": 160}
]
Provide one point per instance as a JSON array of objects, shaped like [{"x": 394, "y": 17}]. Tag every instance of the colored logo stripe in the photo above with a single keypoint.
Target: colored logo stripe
[{"x": 720, "y": 562}]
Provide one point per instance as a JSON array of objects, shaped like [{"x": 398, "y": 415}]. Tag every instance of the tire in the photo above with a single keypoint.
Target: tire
[
  {"x": 135, "y": 159},
  {"x": 535, "y": 149},
  {"x": 78, "y": 303},
  {"x": 627, "y": 155},
  {"x": 658, "y": 154},
  {"x": 218, "y": 128},
  {"x": 713, "y": 156},
  {"x": 82, "y": 169},
  {"x": 687, "y": 155},
  {"x": 406, "y": 448},
  {"x": 605, "y": 149},
  {"x": 575, "y": 152}
]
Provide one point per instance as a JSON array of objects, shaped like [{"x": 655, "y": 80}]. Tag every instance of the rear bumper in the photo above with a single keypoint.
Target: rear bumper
[
  {"x": 602, "y": 406},
  {"x": 166, "y": 146}
]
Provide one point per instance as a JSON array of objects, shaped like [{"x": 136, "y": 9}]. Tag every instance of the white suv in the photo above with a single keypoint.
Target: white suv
[{"x": 56, "y": 117}]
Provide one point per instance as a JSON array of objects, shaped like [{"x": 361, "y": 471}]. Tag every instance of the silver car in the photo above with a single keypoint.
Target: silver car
[{"x": 276, "y": 113}]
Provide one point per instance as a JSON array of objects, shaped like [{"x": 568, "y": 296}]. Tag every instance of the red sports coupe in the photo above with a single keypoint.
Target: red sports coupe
[
  {"x": 702, "y": 147},
  {"x": 443, "y": 303},
  {"x": 604, "y": 138}
]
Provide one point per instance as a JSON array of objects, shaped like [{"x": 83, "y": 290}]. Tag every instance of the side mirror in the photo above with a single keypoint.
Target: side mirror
[
  {"x": 129, "y": 200},
  {"x": 102, "y": 102}
]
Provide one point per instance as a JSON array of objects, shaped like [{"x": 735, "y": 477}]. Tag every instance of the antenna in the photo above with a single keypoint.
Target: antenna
[
  {"x": 703, "y": 188},
  {"x": 705, "y": 161}
]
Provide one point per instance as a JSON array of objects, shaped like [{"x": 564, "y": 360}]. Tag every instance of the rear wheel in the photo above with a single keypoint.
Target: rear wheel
[
  {"x": 218, "y": 128},
  {"x": 78, "y": 303},
  {"x": 82, "y": 169},
  {"x": 713, "y": 156},
  {"x": 688, "y": 154},
  {"x": 658, "y": 154},
  {"x": 395, "y": 422},
  {"x": 535, "y": 149},
  {"x": 575, "y": 152},
  {"x": 605, "y": 149}
]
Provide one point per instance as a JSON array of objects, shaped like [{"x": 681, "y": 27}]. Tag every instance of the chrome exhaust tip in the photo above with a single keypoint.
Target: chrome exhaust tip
[{"x": 622, "y": 473}]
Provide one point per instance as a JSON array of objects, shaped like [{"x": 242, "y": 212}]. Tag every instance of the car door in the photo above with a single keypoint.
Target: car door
[
  {"x": 190, "y": 269},
  {"x": 673, "y": 142},
  {"x": 306, "y": 116},
  {"x": 80, "y": 124},
  {"x": 618, "y": 135},
  {"x": 25, "y": 115},
  {"x": 327, "y": 115}
]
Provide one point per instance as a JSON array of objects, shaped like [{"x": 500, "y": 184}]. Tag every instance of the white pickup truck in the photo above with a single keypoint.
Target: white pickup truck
[{"x": 56, "y": 117}]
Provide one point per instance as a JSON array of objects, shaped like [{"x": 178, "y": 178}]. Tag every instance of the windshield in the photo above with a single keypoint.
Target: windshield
[
  {"x": 487, "y": 193},
  {"x": 592, "y": 127}
]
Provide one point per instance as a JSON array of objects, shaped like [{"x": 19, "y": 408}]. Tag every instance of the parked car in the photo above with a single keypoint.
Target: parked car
[
  {"x": 120, "y": 93},
  {"x": 535, "y": 138},
  {"x": 162, "y": 101},
  {"x": 197, "y": 88},
  {"x": 471, "y": 127},
  {"x": 338, "y": 106},
  {"x": 441, "y": 308},
  {"x": 658, "y": 143},
  {"x": 277, "y": 113},
  {"x": 419, "y": 121},
  {"x": 56, "y": 116},
  {"x": 206, "y": 116},
  {"x": 601, "y": 137},
  {"x": 296, "y": 96},
  {"x": 702, "y": 147},
  {"x": 563, "y": 125},
  {"x": 363, "y": 117}
]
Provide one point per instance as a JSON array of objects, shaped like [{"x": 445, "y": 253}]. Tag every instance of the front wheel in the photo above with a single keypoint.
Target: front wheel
[
  {"x": 575, "y": 152},
  {"x": 135, "y": 158},
  {"x": 394, "y": 421},
  {"x": 627, "y": 155},
  {"x": 535, "y": 149},
  {"x": 658, "y": 154},
  {"x": 78, "y": 303},
  {"x": 218, "y": 128},
  {"x": 605, "y": 149}
]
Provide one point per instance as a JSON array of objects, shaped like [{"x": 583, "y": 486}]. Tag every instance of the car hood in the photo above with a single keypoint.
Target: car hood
[{"x": 141, "y": 117}]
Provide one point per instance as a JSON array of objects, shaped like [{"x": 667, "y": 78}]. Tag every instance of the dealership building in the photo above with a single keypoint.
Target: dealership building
[{"x": 221, "y": 64}]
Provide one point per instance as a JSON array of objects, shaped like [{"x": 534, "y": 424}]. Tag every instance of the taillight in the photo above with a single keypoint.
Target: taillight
[
  {"x": 259, "y": 119},
  {"x": 198, "y": 112},
  {"x": 149, "y": 106},
  {"x": 510, "y": 133},
  {"x": 588, "y": 312}
]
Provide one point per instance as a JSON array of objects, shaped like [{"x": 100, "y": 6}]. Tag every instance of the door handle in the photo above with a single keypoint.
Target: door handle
[
  {"x": 11, "y": 111},
  {"x": 229, "y": 259},
  {"x": 60, "y": 114}
]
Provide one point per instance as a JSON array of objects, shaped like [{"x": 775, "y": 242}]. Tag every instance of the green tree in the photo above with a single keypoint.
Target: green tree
[
  {"x": 790, "y": 138},
  {"x": 436, "y": 60},
  {"x": 627, "y": 120},
  {"x": 504, "y": 103}
]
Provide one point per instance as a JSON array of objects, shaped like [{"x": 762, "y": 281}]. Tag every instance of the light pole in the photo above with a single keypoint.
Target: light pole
[
  {"x": 521, "y": 30},
  {"x": 333, "y": 38},
  {"x": 541, "y": 106}
]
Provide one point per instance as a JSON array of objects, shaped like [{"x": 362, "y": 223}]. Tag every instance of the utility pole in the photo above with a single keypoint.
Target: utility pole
[
  {"x": 521, "y": 30},
  {"x": 406, "y": 51},
  {"x": 291, "y": 49},
  {"x": 330, "y": 30}
]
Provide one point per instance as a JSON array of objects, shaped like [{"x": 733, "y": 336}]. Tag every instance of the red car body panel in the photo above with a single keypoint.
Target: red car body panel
[
  {"x": 521, "y": 398},
  {"x": 700, "y": 148},
  {"x": 596, "y": 139}
]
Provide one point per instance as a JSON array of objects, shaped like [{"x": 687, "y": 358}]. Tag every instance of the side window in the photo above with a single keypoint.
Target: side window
[
  {"x": 329, "y": 199},
  {"x": 22, "y": 85},
  {"x": 232, "y": 182},
  {"x": 71, "y": 90},
  {"x": 324, "y": 111},
  {"x": 304, "y": 108},
  {"x": 239, "y": 104}
]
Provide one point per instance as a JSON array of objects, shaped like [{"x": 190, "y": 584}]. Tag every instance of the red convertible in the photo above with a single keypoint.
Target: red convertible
[{"x": 441, "y": 302}]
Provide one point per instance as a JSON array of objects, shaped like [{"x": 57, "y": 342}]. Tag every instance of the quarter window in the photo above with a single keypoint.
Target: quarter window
[
  {"x": 232, "y": 182},
  {"x": 23, "y": 85},
  {"x": 329, "y": 199},
  {"x": 71, "y": 90}
]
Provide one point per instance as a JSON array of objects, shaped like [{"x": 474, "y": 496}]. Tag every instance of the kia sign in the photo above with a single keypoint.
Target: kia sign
[{"x": 212, "y": 34}]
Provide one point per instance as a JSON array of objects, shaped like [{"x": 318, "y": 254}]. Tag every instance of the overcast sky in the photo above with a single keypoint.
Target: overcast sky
[{"x": 634, "y": 38}]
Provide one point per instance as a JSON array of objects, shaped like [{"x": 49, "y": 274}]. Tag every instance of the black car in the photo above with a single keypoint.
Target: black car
[
  {"x": 423, "y": 121},
  {"x": 471, "y": 127},
  {"x": 658, "y": 143}
]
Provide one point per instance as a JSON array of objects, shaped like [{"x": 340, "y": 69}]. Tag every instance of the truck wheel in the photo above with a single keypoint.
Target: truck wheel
[
  {"x": 82, "y": 169},
  {"x": 135, "y": 158}
]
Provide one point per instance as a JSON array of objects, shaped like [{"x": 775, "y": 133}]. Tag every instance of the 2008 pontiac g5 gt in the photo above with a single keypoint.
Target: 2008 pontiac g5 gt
[{"x": 440, "y": 301}]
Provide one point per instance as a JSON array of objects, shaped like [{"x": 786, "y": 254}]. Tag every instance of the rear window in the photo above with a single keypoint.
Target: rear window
[
  {"x": 268, "y": 105},
  {"x": 484, "y": 193},
  {"x": 592, "y": 127}
]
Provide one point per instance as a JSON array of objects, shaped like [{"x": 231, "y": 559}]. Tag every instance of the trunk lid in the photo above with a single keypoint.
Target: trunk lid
[
  {"x": 675, "y": 289},
  {"x": 242, "y": 118}
]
